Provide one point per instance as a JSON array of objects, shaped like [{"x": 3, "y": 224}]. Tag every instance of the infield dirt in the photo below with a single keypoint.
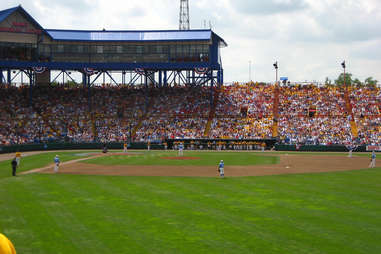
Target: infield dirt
[{"x": 289, "y": 164}]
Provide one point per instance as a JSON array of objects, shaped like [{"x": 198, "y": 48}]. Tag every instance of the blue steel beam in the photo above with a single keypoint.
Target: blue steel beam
[{"x": 108, "y": 66}]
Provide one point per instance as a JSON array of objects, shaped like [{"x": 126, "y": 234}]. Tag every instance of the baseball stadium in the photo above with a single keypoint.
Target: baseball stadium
[{"x": 130, "y": 141}]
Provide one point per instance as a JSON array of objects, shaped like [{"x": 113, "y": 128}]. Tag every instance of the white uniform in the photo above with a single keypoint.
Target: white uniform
[
  {"x": 373, "y": 160},
  {"x": 57, "y": 164},
  {"x": 181, "y": 148}
]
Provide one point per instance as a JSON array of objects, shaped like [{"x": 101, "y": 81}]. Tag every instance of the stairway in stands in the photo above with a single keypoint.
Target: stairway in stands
[
  {"x": 212, "y": 112},
  {"x": 275, "y": 111},
  {"x": 349, "y": 106}
]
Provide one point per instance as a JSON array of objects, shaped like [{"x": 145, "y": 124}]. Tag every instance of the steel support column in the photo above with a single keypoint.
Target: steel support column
[
  {"x": 9, "y": 78},
  {"x": 84, "y": 79},
  {"x": 220, "y": 77},
  {"x": 165, "y": 79},
  {"x": 160, "y": 78},
  {"x": 1, "y": 77},
  {"x": 32, "y": 78}
]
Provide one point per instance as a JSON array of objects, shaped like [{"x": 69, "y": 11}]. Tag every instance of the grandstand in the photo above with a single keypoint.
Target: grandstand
[{"x": 171, "y": 89}]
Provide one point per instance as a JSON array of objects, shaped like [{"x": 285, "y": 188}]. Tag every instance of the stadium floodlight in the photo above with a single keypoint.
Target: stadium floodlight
[
  {"x": 276, "y": 71},
  {"x": 343, "y": 65}
]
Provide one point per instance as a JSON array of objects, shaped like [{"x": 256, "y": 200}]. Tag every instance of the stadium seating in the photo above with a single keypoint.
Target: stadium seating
[{"x": 307, "y": 114}]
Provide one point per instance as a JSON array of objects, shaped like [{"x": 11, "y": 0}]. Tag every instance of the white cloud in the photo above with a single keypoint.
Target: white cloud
[{"x": 309, "y": 38}]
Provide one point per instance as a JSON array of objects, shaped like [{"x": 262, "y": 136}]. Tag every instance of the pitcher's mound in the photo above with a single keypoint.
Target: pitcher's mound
[{"x": 180, "y": 158}]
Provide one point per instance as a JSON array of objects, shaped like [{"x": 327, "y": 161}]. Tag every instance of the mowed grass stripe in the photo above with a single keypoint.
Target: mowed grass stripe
[
  {"x": 117, "y": 216},
  {"x": 313, "y": 212},
  {"x": 161, "y": 220},
  {"x": 186, "y": 223},
  {"x": 335, "y": 208},
  {"x": 217, "y": 219},
  {"x": 37, "y": 221},
  {"x": 258, "y": 222},
  {"x": 55, "y": 199},
  {"x": 13, "y": 221}
]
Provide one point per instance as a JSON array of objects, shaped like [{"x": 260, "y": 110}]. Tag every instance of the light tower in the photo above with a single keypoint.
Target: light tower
[{"x": 184, "y": 15}]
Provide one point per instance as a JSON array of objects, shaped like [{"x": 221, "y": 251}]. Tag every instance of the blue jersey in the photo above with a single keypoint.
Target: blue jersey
[
  {"x": 221, "y": 165},
  {"x": 373, "y": 155},
  {"x": 181, "y": 146},
  {"x": 56, "y": 160}
]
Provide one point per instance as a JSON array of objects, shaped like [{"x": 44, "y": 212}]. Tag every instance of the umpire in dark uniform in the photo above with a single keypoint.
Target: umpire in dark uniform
[{"x": 14, "y": 166}]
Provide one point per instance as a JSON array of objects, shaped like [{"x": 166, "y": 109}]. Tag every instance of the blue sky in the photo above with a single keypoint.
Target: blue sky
[{"x": 308, "y": 38}]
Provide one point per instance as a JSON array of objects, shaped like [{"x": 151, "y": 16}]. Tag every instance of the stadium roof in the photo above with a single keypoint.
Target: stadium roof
[
  {"x": 6, "y": 13},
  {"x": 167, "y": 35},
  {"x": 119, "y": 36}
]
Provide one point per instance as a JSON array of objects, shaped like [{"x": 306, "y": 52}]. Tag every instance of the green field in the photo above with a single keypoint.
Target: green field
[
  {"x": 204, "y": 159},
  {"x": 305, "y": 213},
  {"x": 36, "y": 161}
]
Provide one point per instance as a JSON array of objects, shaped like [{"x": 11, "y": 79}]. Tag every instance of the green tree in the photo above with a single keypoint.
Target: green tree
[
  {"x": 348, "y": 79},
  {"x": 370, "y": 82},
  {"x": 357, "y": 82}
]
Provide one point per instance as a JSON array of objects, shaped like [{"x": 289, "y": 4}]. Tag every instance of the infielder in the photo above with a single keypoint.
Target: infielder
[
  {"x": 181, "y": 148},
  {"x": 372, "y": 160},
  {"x": 221, "y": 168},
  {"x": 57, "y": 164},
  {"x": 350, "y": 150}
]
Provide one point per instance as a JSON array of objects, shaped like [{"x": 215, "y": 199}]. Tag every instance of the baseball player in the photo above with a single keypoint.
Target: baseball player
[
  {"x": 181, "y": 148},
  {"x": 57, "y": 164},
  {"x": 221, "y": 168},
  {"x": 125, "y": 147},
  {"x": 372, "y": 160},
  {"x": 149, "y": 145},
  {"x": 350, "y": 149}
]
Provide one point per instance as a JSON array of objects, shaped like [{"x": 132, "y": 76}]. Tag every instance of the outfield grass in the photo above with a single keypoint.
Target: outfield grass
[
  {"x": 36, "y": 161},
  {"x": 318, "y": 213},
  {"x": 205, "y": 159}
]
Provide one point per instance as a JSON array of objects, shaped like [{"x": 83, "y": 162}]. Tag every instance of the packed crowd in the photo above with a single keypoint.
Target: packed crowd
[
  {"x": 329, "y": 123},
  {"x": 366, "y": 107},
  {"x": 175, "y": 112},
  {"x": 243, "y": 112},
  {"x": 306, "y": 114}
]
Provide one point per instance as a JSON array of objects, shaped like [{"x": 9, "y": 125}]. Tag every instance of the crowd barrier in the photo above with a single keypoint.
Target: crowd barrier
[
  {"x": 318, "y": 148},
  {"x": 196, "y": 144}
]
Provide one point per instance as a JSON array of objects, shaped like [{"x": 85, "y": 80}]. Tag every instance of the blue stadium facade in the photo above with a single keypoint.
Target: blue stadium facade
[{"x": 159, "y": 58}]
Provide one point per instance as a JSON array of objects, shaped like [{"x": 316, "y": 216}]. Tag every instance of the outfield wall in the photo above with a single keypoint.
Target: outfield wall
[{"x": 206, "y": 145}]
